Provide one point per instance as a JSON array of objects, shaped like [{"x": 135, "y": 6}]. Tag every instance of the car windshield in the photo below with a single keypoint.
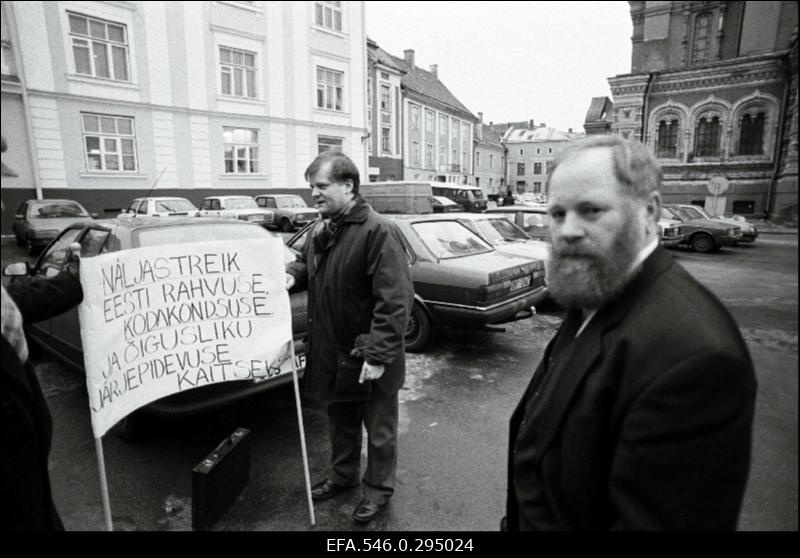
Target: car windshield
[
  {"x": 177, "y": 205},
  {"x": 501, "y": 230},
  {"x": 185, "y": 234},
  {"x": 58, "y": 210},
  {"x": 241, "y": 203},
  {"x": 687, "y": 214},
  {"x": 702, "y": 214},
  {"x": 291, "y": 202},
  {"x": 449, "y": 239}
]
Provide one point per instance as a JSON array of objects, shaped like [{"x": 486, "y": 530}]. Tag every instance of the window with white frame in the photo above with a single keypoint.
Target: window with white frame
[
  {"x": 414, "y": 118},
  {"x": 477, "y": 159},
  {"x": 327, "y": 143},
  {"x": 330, "y": 89},
  {"x": 386, "y": 139},
  {"x": 328, "y": 14},
  {"x": 241, "y": 150},
  {"x": 491, "y": 161},
  {"x": 110, "y": 143},
  {"x": 99, "y": 47},
  {"x": 415, "y": 154},
  {"x": 429, "y": 162},
  {"x": 237, "y": 72}
]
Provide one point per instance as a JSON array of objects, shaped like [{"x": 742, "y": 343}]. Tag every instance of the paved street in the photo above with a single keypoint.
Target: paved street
[{"x": 454, "y": 412}]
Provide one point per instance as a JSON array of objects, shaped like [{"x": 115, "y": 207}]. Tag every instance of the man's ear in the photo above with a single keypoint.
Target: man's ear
[
  {"x": 653, "y": 206},
  {"x": 348, "y": 186}
]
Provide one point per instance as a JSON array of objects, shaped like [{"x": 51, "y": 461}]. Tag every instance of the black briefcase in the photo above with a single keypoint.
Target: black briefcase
[{"x": 219, "y": 478}]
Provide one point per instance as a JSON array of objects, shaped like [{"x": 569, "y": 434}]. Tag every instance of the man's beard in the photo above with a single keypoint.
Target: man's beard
[{"x": 582, "y": 276}]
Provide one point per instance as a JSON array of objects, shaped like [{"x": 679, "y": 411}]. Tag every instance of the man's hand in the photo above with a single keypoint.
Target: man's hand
[
  {"x": 370, "y": 372},
  {"x": 289, "y": 281}
]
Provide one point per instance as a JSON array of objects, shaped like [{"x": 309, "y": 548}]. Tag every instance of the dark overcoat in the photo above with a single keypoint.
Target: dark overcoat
[
  {"x": 359, "y": 297},
  {"x": 26, "y": 423},
  {"x": 647, "y": 422}
]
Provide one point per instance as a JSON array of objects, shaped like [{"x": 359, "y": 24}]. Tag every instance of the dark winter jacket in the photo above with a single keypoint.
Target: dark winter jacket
[
  {"x": 359, "y": 298},
  {"x": 26, "y": 424}
]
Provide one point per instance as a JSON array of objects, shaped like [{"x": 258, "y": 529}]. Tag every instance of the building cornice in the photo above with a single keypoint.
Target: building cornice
[{"x": 261, "y": 37}]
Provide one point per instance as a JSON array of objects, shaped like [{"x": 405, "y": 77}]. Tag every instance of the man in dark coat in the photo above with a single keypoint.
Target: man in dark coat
[
  {"x": 640, "y": 414},
  {"x": 26, "y": 425},
  {"x": 359, "y": 298}
]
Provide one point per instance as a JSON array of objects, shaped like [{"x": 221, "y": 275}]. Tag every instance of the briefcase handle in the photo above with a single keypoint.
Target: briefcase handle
[{"x": 225, "y": 446}]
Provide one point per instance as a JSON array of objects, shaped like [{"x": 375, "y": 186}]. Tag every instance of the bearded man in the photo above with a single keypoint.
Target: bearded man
[{"x": 640, "y": 414}]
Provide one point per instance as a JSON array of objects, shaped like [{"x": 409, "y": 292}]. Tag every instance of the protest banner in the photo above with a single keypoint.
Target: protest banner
[{"x": 165, "y": 319}]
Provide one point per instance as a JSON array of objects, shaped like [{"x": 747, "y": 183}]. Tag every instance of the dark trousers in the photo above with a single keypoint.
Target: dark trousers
[{"x": 379, "y": 417}]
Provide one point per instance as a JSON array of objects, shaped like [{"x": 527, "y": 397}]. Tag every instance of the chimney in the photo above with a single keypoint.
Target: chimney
[
  {"x": 530, "y": 123},
  {"x": 543, "y": 125},
  {"x": 408, "y": 55},
  {"x": 480, "y": 117},
  {"x": 569, "y": 130},
  {"x": 434, "y": 68}
]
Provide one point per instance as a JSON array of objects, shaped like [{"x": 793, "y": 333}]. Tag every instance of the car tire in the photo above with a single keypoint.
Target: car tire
[
  {"x": 418, "y": 332},
  {"x": 132, "y": 428},
  {"x": 703, "y": 243},
  {"x": 286, "y": 225}
]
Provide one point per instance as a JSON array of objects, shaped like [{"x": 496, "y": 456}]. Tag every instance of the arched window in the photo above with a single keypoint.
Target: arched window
[
  {"x": 667, "y": 145},
  {"x": 707, "y": 137},
  {"x": 701, "y": 39},
  {"x": 751, "y": 134}
]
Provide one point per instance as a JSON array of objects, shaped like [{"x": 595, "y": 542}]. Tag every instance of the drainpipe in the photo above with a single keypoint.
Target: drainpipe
[
  {"x": 645, "y": 116},
  {"x": 779, "y": 140},
  {"x": 26, "y": 116}
]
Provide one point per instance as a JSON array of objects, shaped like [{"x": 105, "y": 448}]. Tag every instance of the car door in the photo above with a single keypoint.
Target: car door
[{"x": 65, "y": 328}]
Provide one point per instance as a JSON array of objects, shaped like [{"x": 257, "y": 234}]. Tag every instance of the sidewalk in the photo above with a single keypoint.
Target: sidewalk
[{"x": 768, "y": 227}]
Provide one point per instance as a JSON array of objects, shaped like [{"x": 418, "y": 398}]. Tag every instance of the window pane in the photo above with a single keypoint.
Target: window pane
[
  {"x": 82, "y": 63},
  {"x": 224, "y": 55},
  {"x": 107, "y": 125},
  {"x": 127, "y": 146},
  {"x": 238, "y": 58},
  {"x": 228, "y": 165},
  {"x": 320, "y": 97},
  {"x": 110, "y": 145},
  {"x": 116, "y": 33},
  {"x": 254, "y": 166},
  {"x": 93, "y": 144},
  {"x": 329, "y": 96},
  {"x": 94, "y": 162},
  {"x": 97, "y": 29},
  {"x": 237, "y": 81},
  {"x": 253, "y": 136},
  {"x": 254, "y": 153},
  {"x": 226, "y": 81},
  {"x": 318, "y": 13},
  {"x": 337, "y": 20},
  {"x": 328, "y": 17},
  {"x": 128, "y": 163},
  {"x": 111, "y": 162},
  {"x": 125, "y": 126},
  {"x": 229, "y": 152},
  {"x": 249, "y": 60},
  {"x": 338, "y": 98},
  {"x": 100, "y": 59},
  {"x": 241, "y": 152},
  {"x": 120, "y": 63},
  {"x": 241, "y": 165},
  {"x": 251, "y": 83},
  {"x": 78, "y": 25}
]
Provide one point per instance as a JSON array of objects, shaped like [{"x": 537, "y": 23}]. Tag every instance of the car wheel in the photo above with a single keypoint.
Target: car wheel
[
  {"x": 132, "y": 428},
  {"x": 702, "y": 242},
  {"x": 286, "y": 225},
  {"x": 418, "y": 331}
]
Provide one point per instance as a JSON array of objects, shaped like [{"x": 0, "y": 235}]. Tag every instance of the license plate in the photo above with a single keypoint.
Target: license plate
[
  {"x": 255, "y": 218},
  {"x": 520, "y": 283}
]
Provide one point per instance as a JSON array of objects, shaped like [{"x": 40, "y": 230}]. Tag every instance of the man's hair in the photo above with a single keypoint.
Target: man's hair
[
  {"x": 342, "y": 168},
  {"x": 635, "y": 167}
]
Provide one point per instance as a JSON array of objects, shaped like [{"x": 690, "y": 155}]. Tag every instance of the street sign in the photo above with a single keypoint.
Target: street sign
[{"x": 718, "y": 185}]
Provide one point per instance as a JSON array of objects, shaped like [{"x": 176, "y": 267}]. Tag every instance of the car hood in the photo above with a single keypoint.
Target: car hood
[
  {"x": 296, "y": 210},
  {"x": 484, "y": 264},
  {"x": 531, "y": 250},
  {"x": 707, "y": 223}
]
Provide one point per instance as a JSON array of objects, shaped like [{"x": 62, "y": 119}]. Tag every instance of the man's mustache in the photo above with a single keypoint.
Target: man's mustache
[{"x": 566, "y": 251}]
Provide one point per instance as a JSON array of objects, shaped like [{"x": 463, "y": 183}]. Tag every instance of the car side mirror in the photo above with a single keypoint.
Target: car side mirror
[{"x": 19, "y": 269}]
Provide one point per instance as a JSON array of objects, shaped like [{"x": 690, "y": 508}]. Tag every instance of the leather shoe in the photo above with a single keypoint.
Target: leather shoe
[
  {"x": 366, "y": 511},
  {"x": 327, "y": 489}
]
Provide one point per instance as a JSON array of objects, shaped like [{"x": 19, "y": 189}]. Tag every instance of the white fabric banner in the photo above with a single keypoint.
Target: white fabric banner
[{"x": 160, "y": 320}]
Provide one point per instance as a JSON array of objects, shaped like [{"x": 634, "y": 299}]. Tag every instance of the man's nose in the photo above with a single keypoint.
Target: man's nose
[{"x": 572, "y": 227}]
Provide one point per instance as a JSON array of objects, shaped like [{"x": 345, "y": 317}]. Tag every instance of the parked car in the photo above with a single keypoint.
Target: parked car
[
  {"x": 504, "y": 235},
  {"x": 703, "y": 235},
  {"x": 669, "y": 232},
  {"x": 291, "y": 211},
  {"x": 532, "y": 219},
  {"x": 442, "y": 204},
  {"x": 749, "y": 232},
  {"x": 236, "y": 207},
  {"x": 60, "y": 336},
  {"x": 37, "y": 222},
  {"x": 470, "y": 197},
  {"x": 160, "y": 207},
  {"x": 459, "y": 279}
]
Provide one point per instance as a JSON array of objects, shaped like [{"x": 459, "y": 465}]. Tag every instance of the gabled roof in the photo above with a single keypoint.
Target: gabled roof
[
  {"x": 599, "y": 110},
  {"x": 425, "y": 84},
  {"x": 380, "y": 56},
  {"x": 490, "y": 135},
  {"x": 538, "y": 134}
]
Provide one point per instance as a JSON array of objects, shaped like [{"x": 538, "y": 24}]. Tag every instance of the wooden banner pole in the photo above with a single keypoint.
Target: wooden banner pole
[{"x": 302, "y": 436}]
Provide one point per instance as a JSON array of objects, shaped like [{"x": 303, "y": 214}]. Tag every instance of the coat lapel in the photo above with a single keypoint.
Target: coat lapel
[{"x": 588, "y": 347}]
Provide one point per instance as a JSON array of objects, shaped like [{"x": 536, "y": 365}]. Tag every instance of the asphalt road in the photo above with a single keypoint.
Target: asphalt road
[{"x": 453, "y": 422}]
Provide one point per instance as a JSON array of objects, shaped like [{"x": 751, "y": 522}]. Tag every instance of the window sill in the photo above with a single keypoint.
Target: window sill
[
  {"x": 327, "y": 31},
  {"x": 101, "y": 174},
  {"x": 242, "y": 100},
  {"x": 80, "y": 78},
  {"x": 243, "y": 176},
  {"x": 331, "y": 112}
]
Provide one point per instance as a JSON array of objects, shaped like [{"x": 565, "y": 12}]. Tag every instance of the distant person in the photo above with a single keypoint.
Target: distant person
[
  {"x": 25, "y": 496},
  {"x": 640, "y": 414},
  {"x": 508, "y": 199},
  {"x": 359, "y": 299}
]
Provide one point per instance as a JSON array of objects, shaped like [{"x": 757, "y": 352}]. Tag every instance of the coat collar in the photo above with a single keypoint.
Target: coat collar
[{"x": 588, "y": 345}]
